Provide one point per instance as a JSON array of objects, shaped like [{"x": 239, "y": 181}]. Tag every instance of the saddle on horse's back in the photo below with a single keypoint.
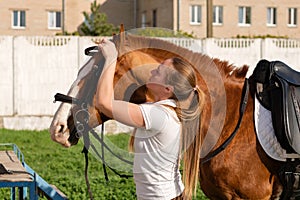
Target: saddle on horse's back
[{"x": 277, "y": 87}]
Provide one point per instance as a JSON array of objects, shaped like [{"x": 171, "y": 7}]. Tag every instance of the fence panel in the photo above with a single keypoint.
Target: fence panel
[
  {"x": 6, "y": 76},
  {"x": 285, "y": 50},
  {"x": 43, "y": 66},
  {"x": 236, "y": 51},
  {"x": 188, "y": 43}
]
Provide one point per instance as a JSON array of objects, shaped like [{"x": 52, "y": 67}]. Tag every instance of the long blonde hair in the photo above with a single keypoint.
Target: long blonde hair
[{"x": 190, "y": 101}]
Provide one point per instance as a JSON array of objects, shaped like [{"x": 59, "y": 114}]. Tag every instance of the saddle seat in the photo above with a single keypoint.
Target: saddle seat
[{"x": 287, "y": 73}]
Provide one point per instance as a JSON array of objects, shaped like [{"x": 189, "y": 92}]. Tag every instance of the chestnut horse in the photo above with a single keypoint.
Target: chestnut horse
[{"x": 242, "y": 170}]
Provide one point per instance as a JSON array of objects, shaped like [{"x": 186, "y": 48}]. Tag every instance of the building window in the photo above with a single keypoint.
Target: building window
[
  {"x": 218, "y": 15},
  {"x": 195, "y": 14},
  {"x": 19, "y": 19},
  {"x": 154, "y": 18},
  {"x": 292, "y": 17},
  {"x": 54, "y": 20},
  {"x": 144, "y": 20},
  {"x": 244, "y": 15},
  {"x": 271, "y": 16}
]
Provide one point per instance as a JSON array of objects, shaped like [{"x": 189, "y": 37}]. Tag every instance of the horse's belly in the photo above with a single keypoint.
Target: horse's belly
[{"x": 236, "y": 182}]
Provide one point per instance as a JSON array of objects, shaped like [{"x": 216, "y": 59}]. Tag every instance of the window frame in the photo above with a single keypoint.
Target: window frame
[
  {"x": 53, "y": 13},
  {"x": 272, "y": 16},
  {"x": 20, "y": 24},
  {"x": 292, "y": 17},
  {"x": 154, "y": 18},
  {"x": 243, "y": 18},
  {"x": 195, "y": 14},
  {"x": 218, "y": 15}
]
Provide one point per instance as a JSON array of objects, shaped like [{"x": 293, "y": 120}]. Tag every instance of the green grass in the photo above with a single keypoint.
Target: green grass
[{"x": 64, "y": 168}]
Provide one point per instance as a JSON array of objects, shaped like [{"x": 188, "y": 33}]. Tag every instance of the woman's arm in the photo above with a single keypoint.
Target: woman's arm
[{"x": 124, "y": 112}]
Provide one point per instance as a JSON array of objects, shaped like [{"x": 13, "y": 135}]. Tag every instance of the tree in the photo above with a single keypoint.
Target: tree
[
  {"x": 161, "y": 32},
  {"x": 96, "y": 24}
]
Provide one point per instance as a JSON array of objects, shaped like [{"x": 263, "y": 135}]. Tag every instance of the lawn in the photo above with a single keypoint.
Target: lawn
[{"x": 64, "y": 168}]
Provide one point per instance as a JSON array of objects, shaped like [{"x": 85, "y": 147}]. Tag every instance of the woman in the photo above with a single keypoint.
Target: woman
[{"x": 165, "y": 129}]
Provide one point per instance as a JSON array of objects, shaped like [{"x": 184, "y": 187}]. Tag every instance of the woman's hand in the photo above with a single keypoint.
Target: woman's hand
[
  {"x": 109, "y": 51},
  {"x": 59, "y": 128}
]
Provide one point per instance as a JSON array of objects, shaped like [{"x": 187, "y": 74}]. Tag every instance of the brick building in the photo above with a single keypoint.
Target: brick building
[
  {"x": 230, "y": 18},
  {"x": 36, "y": 17}
]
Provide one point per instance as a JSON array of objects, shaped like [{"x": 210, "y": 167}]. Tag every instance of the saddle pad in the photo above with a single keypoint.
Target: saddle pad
[{"x": 265, "y": 132}]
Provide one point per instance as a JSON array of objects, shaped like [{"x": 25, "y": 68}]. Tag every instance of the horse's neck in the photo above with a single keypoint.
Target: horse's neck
[{"x": 234, "y": 98}]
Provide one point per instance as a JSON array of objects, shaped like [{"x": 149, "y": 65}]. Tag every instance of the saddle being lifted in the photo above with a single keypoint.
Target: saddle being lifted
[{"x": 277, "y": 87}]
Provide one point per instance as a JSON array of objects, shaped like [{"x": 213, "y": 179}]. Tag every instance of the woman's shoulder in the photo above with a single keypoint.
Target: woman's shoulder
[
  {"x": 168, "y": 107},
  {"x": 167, "y": 102}
]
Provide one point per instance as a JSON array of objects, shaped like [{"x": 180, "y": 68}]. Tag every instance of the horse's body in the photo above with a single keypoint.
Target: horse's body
[{"x": 242, "y": 170}]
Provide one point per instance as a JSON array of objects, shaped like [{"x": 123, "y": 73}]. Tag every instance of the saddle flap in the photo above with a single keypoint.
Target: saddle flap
[
  {"x": 285, "y": 98},
  {"x": 291, "y": 117},
  {"x": 285, "y": 72}
]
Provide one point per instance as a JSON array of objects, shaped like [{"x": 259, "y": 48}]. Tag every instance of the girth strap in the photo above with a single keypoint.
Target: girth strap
[{"x": 289, "y": 175}]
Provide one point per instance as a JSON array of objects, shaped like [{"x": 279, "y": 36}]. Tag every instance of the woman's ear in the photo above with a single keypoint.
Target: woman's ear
[{"x": 169, "y": 89}]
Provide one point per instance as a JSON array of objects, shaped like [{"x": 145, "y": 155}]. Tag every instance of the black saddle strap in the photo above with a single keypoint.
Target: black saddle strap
[{"x": 243, "y": 104}]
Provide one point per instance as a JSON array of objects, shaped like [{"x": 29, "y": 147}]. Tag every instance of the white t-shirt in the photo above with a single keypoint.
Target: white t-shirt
[{"x": 155, "y": 169}]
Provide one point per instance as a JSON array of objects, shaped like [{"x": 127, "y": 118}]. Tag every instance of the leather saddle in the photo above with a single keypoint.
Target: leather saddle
[{"x": 277, "y": 87}]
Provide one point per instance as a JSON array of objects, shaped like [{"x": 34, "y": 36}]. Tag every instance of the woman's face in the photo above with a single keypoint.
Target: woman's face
[
  {"x": 157, "y": 81},
  {"x": 158, "y": 75}
]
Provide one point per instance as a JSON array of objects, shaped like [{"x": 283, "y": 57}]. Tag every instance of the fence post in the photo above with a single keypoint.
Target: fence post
[{"x": 262, "y": 48}]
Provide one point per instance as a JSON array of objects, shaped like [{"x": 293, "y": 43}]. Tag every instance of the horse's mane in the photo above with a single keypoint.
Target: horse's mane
[{"x": 199, "y": 60}]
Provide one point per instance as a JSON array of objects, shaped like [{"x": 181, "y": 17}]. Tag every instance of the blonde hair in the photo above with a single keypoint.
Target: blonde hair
[{"x": 190, "y": 101}]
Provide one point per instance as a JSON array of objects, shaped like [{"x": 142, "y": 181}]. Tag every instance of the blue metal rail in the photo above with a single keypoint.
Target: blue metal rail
[{"x": 37, "y": 183}]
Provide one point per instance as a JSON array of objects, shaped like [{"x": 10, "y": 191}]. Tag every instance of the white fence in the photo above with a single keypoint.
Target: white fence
[{"x": 33, "y": 69}]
